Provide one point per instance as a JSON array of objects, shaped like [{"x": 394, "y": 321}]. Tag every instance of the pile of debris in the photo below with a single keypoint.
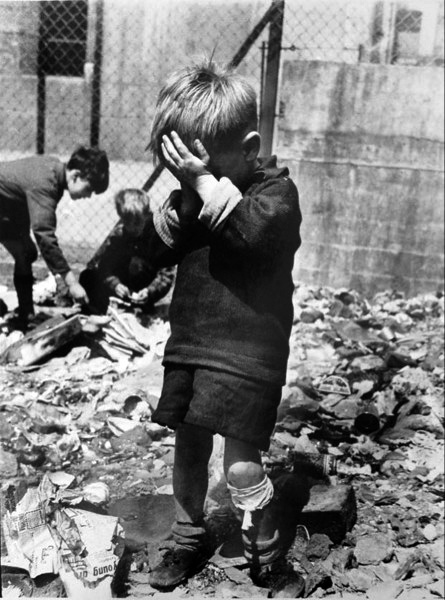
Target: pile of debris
[{"x": 361, "y": 422}]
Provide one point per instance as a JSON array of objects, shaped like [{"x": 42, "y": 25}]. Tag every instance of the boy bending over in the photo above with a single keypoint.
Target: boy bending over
[
  {"x": 234, "y": 226},
  {"x": 30, "y": 190},
  {"x": 123, "y": 266}
]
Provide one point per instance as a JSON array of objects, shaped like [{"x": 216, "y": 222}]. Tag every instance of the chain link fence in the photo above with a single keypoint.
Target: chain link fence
[
  {"x": 383, "y": 32},
  {"x": 88, "y": 71}
]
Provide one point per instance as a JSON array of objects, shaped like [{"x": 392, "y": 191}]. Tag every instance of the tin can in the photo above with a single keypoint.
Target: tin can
[
  {"x": 367, "y": 420},
  {"x": 315, "y": 464}
]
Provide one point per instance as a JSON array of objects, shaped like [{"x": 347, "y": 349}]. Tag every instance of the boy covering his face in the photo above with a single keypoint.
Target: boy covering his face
[{"x": 234, "y": 229}]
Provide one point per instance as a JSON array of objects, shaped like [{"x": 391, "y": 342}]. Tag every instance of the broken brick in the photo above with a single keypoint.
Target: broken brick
[{"x": 331, "y": 510}]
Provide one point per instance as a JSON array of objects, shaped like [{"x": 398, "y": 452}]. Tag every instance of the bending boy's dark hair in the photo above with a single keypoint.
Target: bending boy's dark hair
[
  {"x": 206, "y": 102},
  {"x": 93, "y": 165}
]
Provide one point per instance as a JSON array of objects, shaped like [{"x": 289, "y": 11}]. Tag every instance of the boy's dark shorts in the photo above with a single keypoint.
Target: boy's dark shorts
[{"x": 224, "y": 403}]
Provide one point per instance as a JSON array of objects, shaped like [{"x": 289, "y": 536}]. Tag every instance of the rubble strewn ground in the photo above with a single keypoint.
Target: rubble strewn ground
[{"x": 365, "y": 386}]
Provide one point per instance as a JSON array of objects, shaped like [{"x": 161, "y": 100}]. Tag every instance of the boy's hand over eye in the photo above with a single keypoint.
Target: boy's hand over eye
[{"x": 183, "y": 164}]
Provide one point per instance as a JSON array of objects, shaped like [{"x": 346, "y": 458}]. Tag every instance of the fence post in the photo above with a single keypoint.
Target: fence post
[
  {"x": 41, "y": 85},
  {"x": 97, "y": 23},
  {"x": 269, "y": 100}
]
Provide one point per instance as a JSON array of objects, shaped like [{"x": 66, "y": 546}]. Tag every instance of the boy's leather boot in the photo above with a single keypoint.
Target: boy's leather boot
[
  {"x": 272, "y": 532},
  {"x": 177, "y": 565},
  {"x": 180, "y": 561}
]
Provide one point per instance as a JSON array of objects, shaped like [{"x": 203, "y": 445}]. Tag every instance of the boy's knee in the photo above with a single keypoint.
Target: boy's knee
[
  {"x": 244, "y": 474},
  {"x": 23, "y": 267},
  {"x": 24, "y": 253},
  {"x": 242, "y": 464}
]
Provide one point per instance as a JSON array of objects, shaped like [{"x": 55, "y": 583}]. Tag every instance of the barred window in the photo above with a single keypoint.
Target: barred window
[
  {"x": 407, "y": 35},
  {"x": 63, "y": 37}
]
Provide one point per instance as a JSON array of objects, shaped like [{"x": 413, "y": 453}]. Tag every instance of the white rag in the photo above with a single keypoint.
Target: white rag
[{"x": 251, "y": 499}]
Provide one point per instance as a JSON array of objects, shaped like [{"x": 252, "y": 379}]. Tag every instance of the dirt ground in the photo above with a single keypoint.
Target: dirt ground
[{"x": 79, "y": 421}]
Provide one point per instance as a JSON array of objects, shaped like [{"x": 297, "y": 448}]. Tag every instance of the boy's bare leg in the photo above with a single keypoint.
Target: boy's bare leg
[
  {"x": 265, "y": 504},
  {"x": 252, "y": 492}
]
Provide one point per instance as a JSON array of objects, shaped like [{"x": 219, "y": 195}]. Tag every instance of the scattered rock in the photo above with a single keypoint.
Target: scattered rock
[
  {"x": 317, "y": 577},
  {"x": 331, "y": 510},
  {"x": 430, "y": 532},
  {"x": 310, "y": 315},
  {"x": 8, "y": 464},
  {"x": 318, "y": 546},
  {"x": 359, "y": 580},
  {"x": 437, "y": 588},
  {"x": 372, "y": 549}
]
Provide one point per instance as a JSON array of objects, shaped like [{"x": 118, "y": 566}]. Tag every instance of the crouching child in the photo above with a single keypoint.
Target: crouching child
[{"x": 123, "y": 266}]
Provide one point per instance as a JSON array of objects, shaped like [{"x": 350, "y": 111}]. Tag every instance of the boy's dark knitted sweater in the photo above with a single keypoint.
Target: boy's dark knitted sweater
[{"x": 232, "y": 303}]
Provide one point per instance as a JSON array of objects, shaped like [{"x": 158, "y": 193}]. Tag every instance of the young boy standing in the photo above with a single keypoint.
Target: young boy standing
[
  {"x": 234, "y": 225},
  {"x": 30, "y": 190},
  {"x": 123, "y": 265}
]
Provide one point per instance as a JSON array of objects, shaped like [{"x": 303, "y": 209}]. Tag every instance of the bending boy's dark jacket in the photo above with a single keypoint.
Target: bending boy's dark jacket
[
  {"x": 112, "y": 261},
  {"x": 30, "y": 190},
  {"x": 232, "y": 302}
]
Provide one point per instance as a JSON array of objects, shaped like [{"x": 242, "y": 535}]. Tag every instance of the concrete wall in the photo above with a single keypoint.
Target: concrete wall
[
  {"x": 18, "y": 85},
  {"x": 145, "y": 41},
  {"x": 365, "y": 144}
]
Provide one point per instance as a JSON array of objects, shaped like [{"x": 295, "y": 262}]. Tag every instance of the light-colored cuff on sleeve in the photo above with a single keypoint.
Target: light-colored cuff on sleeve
[
  {"x": 166, "y": 223},
  {"x": 219, "y": 199}
]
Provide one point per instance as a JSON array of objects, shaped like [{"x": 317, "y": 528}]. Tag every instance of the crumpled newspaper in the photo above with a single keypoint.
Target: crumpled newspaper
[
  {"x": 44, "y": 532},
  {"x": 45, "y": 291},
  {"x": 123, "y": 336}
]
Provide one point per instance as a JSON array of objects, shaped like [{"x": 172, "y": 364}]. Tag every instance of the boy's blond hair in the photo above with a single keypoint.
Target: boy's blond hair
[
  {"x": 206, "y": 102},
  {"x": 132, "y": 203}
]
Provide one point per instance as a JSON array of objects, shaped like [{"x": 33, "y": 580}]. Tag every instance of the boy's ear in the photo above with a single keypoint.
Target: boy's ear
[{"x": 251, "y": 146}]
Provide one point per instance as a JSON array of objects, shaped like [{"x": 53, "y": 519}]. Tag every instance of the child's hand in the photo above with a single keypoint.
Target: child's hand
[
  {"x": 122, "y": 291},
  {"x": 78, "y": 293},
  {"x": 140, "y": 297},
  {"x": 184, "y": 165}
]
